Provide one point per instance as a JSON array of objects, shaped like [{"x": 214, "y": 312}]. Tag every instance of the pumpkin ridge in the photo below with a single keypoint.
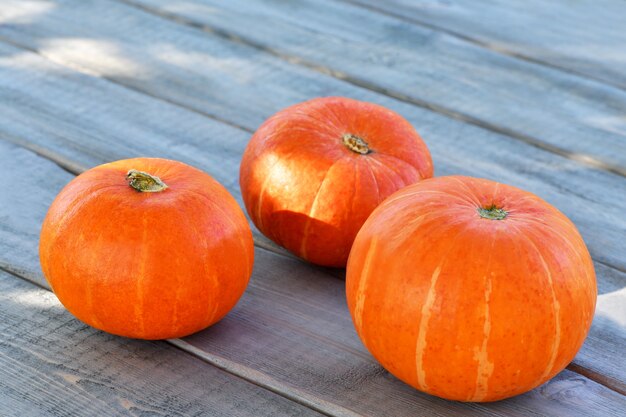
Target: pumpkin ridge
[
  {"x": 426, "y": 311},
  {"x": 362, "y": 287},
  {"x": 485, "y": 368},
  {"x": 391, "y": 175},
  {"x": 414, "y": 224},
  {"x": 377, "y": 187},
  {"x": 80, "y": 201},
  {"x": 404, "y": 196},
  {"x": 61, "y": 224},
  {"x": 266, "y": 181},
  {"x": 420, "y": 344},
  {"x": 261, "y": 195},
  {"x": 224, "y": 216},
  {"x": 470, "y": 192},
  {"x": 317, "y": 121},
  {"x": 307, "y": 225},
  {"x": 556, "y": 307},
  {"x": 89, "y": 292},
  {"x": 565, "y": 239},
  {"x": 353, "y": 197},
  {"x": 420, "y": 174},
  {"x": 141, "y": 276},
  {"x": 379, "y": 158},
  {"x": 579, "y": 255},
  {"x": 200, "y": 237}
]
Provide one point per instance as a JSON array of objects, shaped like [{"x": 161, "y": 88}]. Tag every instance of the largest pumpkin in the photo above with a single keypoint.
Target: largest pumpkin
[
  {"x": 469, "y": 289},
  {"x": 313, "y": 172},
  {"x": 146, "y": 248}
]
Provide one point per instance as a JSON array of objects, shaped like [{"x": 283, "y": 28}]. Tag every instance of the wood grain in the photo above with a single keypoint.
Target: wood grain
[
  {"x": 569, "y": 115},
  {"x": 291, "y": 332},
  {"x": 303, "y": 315},
  {"x": 303, "y": 330},
  {"x": 583, "y": 36},
  {"x": 533, "y": 103},
  {"x": 83, "y": 121},
  {"x": 52, "y": 364}
]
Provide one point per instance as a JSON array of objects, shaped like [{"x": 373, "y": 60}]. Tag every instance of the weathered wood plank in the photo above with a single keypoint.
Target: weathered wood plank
[
  {"x": 563, "y": 112},
  {"x": 68, "y": 113},
  {"x": 606, "y": 343},
  {"x": 295, "y": 315},
  {"x": 584, "y": 36},
  {"x": 52, "y": 364},
  {"x": 307, "y": 318},
  {"x": 78, "y": 124}
]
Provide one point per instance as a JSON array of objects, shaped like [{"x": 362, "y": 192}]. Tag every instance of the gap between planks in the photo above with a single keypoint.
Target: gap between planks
[
  {"x": 616, "y": 267},
  {"x": 76, "y": 168},
  {"x": 240, "y": 371},
  {"x": 483, "y": 44},
  {"x": 583, "y": 159},
  {"x": 598, "y": 378},
  {"x": 265, "y": 381},
  {"x": 69, "y": 166},
  {"x": 607, "y": 381},
  {"x": 292, "y": 393},
  {"x": 450, "y": 113}
]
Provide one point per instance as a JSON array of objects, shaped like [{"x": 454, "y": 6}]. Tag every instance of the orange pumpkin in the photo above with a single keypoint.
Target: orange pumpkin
[
  {"x": 146, "y": 248},
  {"x": 313, "y": 172},
  {"x": 470, "y": 290}
]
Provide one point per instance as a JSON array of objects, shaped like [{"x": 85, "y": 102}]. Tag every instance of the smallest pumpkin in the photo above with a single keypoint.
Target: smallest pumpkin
[{"x": 146, "y": 248}]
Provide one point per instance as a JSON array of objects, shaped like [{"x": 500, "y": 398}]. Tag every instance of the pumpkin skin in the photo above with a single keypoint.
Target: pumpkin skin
[
  {"x": 465, "y": 307},
  {"x": 310, "y": 192},
  {"x": 148, "y": 265}
]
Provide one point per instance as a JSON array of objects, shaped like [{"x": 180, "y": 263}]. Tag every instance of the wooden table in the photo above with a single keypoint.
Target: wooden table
[{"x": 528, "y": 93}]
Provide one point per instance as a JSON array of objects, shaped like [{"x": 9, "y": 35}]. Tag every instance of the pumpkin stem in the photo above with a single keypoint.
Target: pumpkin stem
[
  {"x": 356, "y": 144},
  {"x": 144, "y": 182},
  {"x": 492, "y": 212}
]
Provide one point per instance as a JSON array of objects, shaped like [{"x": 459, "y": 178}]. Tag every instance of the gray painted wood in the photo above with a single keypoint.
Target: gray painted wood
[
  {"x": 297, "y": 316},
  {"x": 291, "y": 332},
  {"x": 97, "y": 121},
  {"x": 52, "y": 365},
  {"x": 81, "y": 122},
  {"x": 560, "y": 111},
  {"x": 583, "y": 36},
  {"x": 554, "y": 398},
  {"x": 606, "y": 343},
  {"x": 570, "y": 115},
  {"x": 67, "y": 113},
  {"x": 74, "y": 122}
]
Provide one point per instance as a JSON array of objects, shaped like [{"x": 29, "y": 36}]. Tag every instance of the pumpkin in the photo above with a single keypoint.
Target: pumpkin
[
  {"x": 470, "y": 290},
  {"x": 146, "y": 248},
  {"x": 312, "y": 173}
]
